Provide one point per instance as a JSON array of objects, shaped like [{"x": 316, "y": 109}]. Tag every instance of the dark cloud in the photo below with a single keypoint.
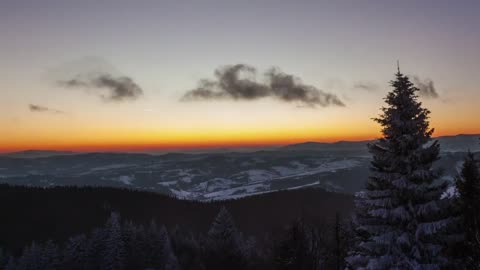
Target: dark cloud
[
  {"x": 288, "y": 88},
  {"x": 367, "y": 86},
  {"x": 426, "y": 87},
  {"x": 39, "y": 108},
  {"x": 119, "y": 88},
  {"x": 238, "y": 82}
]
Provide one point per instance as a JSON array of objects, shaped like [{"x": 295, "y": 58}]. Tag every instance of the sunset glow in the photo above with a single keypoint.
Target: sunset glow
[{"x": 133, "y": 83}]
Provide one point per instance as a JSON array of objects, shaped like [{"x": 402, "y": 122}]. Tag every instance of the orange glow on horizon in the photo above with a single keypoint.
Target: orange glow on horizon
[{"x": 133, "y": 144}]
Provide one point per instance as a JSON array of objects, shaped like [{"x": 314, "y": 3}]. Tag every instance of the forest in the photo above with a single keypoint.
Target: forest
[{"x": 260, "y": 228}]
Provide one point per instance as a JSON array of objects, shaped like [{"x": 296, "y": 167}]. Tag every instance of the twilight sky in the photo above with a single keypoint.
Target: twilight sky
[{"x": 140, "y": 75}]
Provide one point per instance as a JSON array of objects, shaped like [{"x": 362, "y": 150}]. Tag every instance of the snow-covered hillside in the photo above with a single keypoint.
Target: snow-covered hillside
[{"x": 215, "y": 176}]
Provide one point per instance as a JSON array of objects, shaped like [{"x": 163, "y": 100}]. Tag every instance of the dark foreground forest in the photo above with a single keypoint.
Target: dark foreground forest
[{"x": 56, "y": 228}]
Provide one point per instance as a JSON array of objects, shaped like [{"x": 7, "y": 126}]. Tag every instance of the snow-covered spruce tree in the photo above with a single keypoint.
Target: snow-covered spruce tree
[
  {"x": 223, "y": 230},
  {"x": 224, "y": 245},
  {"x": 169, "y": 259},
  {"x": 468, "y": 189},
  {"x": 400, "y": 216},
  {"x": 50, "y": 258},
  {"x": 95, "y": 249},
  {"x": 31, "y": 258},
  {"x": 186, "y": 248},
  {"x": 75, "y": 253},
  {"x": 129, "y": 237},
  {"x": 114, "y": 253},
  {"x": 159, "y": 254}
]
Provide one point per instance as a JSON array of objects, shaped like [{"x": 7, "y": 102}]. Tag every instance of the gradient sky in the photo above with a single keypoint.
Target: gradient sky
[{"x": 166, "y": 47}]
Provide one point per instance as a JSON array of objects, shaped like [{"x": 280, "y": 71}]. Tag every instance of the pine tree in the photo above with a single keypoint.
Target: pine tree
[
  {"x": 468, "y": 188},
  {"x": 31, "y": 258},
  {"x": 129, "y": 237},
  {"x": 114, "y": 253},
  {"x": 139, "y": 249},
  {"x": 400, "y": 216},
  {"x": 299, "y": 250},
  {"x": 95, "y": 249},
  {"x": 187, "y": 249},
  {"x": 224, "y": 244},
  {"x": 50, "y": 259},
  {"x": 75, "y": 253},
  {"x": 154, "y": 243},
  {"x": 169, "y": 260},
  {"x": 10, "y": 264}
]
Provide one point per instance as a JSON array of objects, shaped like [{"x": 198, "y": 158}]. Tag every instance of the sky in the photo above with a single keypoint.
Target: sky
[{"x": 150, "y": 75}]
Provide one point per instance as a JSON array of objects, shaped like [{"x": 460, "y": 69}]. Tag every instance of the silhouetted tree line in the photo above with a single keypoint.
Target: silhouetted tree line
[
  {"x": 125, "y": 245},
  {"x": 57, "y": 213}
]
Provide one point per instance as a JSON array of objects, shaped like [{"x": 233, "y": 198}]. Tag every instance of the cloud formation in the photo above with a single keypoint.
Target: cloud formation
[
  {"x": 367, "y": 86},
  {"x": 238, "y": 82},
  {"x": 39, "y": 108},
  {"x": 426, "y": 87},
  {"x": 106, "y": 86}
]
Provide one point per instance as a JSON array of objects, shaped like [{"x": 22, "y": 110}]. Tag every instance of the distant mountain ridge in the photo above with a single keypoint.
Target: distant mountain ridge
[
  {"x": 38, "y": 153},
  {"x": 453, "y": 143}
]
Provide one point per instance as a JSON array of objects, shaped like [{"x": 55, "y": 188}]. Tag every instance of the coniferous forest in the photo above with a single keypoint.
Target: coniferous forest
[{"x": 407, "y": 217}]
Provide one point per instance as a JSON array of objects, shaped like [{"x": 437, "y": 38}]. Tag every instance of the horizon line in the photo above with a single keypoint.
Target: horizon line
[{"x": 183, "y": 148}]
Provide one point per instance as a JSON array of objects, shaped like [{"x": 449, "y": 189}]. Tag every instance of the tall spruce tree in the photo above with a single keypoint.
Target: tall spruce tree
[
  {"x": 400, "y": 216},
  {"x": 50, "y": 257},
  {"x": 299, "y": 250},
  {"x": 75, "y": 253},
  {"x": 114, "y": 253},
  {"x": 224, "y": 244},
  {"x": 468, "y": 188},
  {"x": 11, "y": 264}
]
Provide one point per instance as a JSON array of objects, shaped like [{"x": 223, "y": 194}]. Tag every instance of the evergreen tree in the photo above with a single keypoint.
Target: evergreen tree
[
  {"x": 3, "y": 258},
  {"x": 31, "y": 258},
  {"x": 50, "y": 259},
  {"x": 187, "y": 249},
  {"x": 400, "y": 216},
  {"x": 468, "y": 188},
  {"x": 299, "y": 250},
  {"x": 10, "y": 264},
  {"x": 154, "y": 246},
  {"x": 169, "y": 260},
  {"x": 75, "y": 253},
  {"x": 95, "y": 249},
  {"x": 343, "y": 241},
  {"x": 129, "y": 237},
  {"x": 139, "y": 249},
  {"x": 114, "y": 253},
  {"x": 159, "y": 253},
  {"x": 224, "y": 244}
]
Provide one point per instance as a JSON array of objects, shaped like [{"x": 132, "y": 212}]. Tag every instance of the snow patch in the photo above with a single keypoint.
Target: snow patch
[
  {"x": 182, "y": 194},
  {"x": 306, "y": 185},
  {"x": 126, "y": 179},
  {"x": 167, "y": 183},
  {"x": 451, "y": 192}
]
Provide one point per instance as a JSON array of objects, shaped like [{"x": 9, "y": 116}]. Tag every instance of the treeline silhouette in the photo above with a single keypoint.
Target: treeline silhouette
[{"x": 268, "y": 231}]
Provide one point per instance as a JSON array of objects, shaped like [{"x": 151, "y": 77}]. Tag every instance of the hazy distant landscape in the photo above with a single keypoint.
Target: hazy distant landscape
[{"x": 339, "y": 167}]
